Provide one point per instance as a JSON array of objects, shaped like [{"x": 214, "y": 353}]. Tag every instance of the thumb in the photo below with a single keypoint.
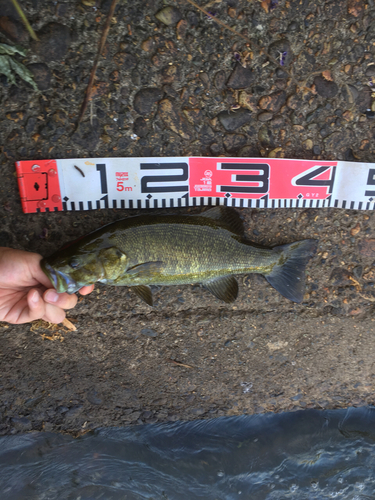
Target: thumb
[{"x": 37, "y": 271}]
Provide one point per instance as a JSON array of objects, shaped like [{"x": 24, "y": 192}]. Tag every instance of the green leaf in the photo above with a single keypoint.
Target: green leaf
[
  {"x": 23, "y": 72},
  {"x": 10, "y": 66},
  {"x": 6, "y": 70},
  {"x": 10, "y": 50}
]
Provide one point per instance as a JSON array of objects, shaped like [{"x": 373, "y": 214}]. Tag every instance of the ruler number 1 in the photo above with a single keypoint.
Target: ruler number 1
[
  {"x": 370, "y": 182},
  {"x": 101, "y": 167}
]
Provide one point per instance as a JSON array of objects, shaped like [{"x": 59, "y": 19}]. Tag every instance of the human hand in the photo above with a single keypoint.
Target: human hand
[{"x": 26, "y": 294}]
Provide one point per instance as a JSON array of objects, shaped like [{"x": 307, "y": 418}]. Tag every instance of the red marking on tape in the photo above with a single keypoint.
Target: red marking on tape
[
  {"x": 258, "y": 177},
  {"x": 39, "y": 186}
]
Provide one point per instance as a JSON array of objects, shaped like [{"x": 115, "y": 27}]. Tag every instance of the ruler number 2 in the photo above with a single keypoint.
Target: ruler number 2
[{"x": 146, "y": 179}]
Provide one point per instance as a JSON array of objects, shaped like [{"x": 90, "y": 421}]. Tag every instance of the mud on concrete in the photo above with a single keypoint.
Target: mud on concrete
[{"x": 303, "y": 89}]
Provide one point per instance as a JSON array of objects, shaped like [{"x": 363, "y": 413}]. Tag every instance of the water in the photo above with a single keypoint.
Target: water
[{"x": 301, "y": 455}]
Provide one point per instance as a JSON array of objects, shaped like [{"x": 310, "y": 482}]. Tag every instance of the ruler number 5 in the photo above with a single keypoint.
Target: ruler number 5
[{"x": 370, "y": 182}]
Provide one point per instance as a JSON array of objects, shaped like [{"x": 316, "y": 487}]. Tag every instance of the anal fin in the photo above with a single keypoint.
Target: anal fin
[
  {"x": 143, "y": 292},
  {"x": 224, "y": 288}
]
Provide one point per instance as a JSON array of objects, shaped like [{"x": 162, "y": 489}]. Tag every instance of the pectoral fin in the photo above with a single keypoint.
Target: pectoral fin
[
  {"x": 146, "y": 270},
  {"x": 225, "y": 288},
  {"x": 144, "y": 292}
]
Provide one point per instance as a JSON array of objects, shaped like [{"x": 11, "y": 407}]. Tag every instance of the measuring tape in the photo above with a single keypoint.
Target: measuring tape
[{"x": 135, "y": 183}]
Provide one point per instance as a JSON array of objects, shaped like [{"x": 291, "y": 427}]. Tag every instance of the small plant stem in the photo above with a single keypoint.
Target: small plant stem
[{"x": 24, "y": 20}]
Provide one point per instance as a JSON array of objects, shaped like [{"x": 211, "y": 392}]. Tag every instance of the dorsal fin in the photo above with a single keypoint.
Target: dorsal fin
[{"x": 227, "y": 218}]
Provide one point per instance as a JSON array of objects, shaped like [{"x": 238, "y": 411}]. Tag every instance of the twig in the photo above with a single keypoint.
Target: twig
[
  {"x": 95, "y": 65},
  {"x": 219, "y": 22},
  {"x": 69, "y": 325},
  {"x": 79, "y": 170},
  {"x": 356, "y": 284},
  {"x": 178, "y": 363},
  {"x": 24, "y": 20},
  {"x": 370, "y": 299}
]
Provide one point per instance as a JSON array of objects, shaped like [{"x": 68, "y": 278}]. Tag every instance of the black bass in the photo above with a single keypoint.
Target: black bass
[{"x": 208, "y": 248}]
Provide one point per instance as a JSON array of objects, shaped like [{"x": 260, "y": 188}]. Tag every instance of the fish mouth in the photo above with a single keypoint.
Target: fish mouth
[{"x": 61, "y": 282}]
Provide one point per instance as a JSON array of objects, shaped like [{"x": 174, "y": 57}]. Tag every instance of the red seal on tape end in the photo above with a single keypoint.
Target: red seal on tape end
[{"x": 39, "y": 186}]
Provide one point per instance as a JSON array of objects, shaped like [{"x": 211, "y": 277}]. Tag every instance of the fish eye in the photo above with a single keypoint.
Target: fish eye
[{"x": 74, "y": 263}]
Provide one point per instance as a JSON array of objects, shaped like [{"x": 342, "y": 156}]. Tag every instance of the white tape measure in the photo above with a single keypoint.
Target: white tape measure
[{"x": 135, "y": 183}]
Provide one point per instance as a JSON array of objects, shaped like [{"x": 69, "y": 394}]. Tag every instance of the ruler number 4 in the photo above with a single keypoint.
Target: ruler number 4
[{"x": 308, "y": 178}]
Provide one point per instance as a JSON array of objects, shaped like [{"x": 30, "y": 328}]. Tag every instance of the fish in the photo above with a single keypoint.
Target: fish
[{"x": 208, "y": 249}]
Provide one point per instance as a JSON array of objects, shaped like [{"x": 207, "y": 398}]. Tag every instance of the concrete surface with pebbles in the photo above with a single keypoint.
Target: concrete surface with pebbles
[{"x": 172, "y": 82}]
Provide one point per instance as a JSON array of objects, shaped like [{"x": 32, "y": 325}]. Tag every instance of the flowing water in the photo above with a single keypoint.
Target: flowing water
[{"x": 300, "y": 455}]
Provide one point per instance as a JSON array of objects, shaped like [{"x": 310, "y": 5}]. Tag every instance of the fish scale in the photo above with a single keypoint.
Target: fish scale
[{"x": 189, "y": 253}]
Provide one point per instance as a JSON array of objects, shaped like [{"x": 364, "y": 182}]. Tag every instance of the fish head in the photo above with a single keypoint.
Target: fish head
[{"x": 72, "y": 268}]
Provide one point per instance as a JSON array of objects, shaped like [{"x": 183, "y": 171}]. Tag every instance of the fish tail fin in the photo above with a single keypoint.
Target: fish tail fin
[{"x": 288, "y": 275}]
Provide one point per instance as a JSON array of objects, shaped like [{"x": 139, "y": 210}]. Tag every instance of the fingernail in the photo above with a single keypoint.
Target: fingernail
[
  {"x": 51, "y": 296},
  {"x": 35, "y": 297}
]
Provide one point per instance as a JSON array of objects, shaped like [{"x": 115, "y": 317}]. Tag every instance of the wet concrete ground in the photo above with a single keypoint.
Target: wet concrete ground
[{"x": 166, "y": 91}]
